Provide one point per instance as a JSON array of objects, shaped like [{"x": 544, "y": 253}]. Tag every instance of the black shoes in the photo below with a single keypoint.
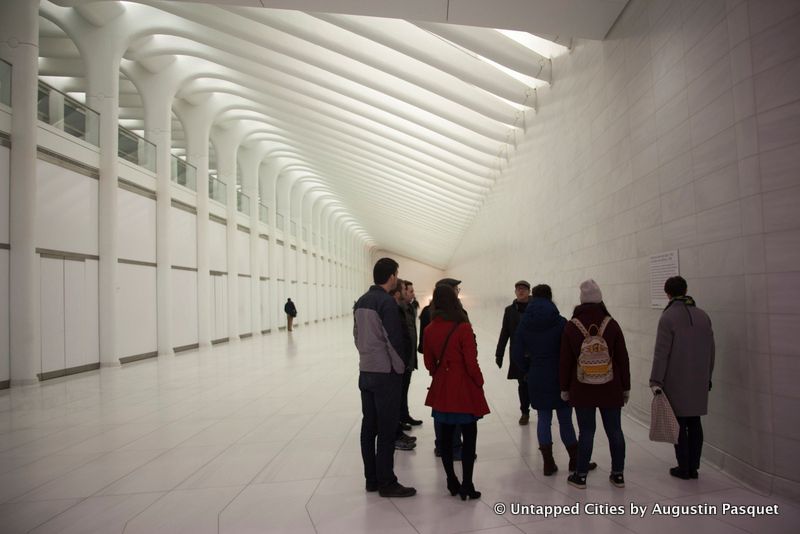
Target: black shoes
[
  {"x": 576, "y": 480},
  {"x": 411, "y": 421},
  {"x": 677, "y": 472},
  {"x": 372, "y": 486},
  {"x": 524, "y": 418},
  {"x": 617, "y": 480},
  {"x": 405, "y": 442},
  {"x": 405, "y": 427},
  {"x": 453, "y": 486},
  {"x": 397, "y": 491},
  {"x": 467, "y": 491}
]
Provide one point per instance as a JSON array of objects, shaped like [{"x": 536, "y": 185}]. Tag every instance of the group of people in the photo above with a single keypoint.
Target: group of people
[{"x": 560, "y": 365}]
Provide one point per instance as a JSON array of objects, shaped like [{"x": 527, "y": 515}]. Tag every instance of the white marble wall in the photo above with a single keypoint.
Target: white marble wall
[{"x": 680, "y": 131}]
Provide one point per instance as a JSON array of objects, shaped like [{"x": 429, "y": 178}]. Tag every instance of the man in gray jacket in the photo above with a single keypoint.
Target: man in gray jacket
[
  {"x": 378, "y": 336},
  {"x": 683, "y": 361}
]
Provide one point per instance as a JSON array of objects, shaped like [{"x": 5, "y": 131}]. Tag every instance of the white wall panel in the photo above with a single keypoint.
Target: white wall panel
[
  {"x": 243, "y": 251},
  {"x": 217, "y": 251},
  {"x": 92, "y": 300},
  {"x": 136, "y": 310},
  {"x": 75, "y": 314},
  {"x": 245, "y": 315},
  {"x": 184, "y": 307},
  {"x": 4, "y": 317},
  {"x": 52, "y": 313},
  {"x": 291, "y": 264},
  {"x": 184, "y": 238},
  {"x": 66, "y": 214},
  {"x": 137, "y": 226},
  {"x": 266, "y": 304},
  {"x": 279, "y": 252},
  {"x": 263, "y": 251},
  {"x": 219, "y": 306},
  {"x": 4, "y": 207}
]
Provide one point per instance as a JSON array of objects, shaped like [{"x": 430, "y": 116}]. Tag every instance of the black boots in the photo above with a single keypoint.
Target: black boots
[{"x": 550, "y": 466}]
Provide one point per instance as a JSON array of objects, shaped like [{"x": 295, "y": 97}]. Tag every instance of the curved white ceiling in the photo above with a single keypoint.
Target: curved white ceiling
[{"x": 403, "y": 123}]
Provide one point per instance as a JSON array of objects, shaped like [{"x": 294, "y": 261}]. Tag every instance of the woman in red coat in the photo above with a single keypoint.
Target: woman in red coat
[{"x": 456, "y": 392}]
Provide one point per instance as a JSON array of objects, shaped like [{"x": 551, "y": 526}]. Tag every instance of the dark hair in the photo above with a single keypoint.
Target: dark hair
[
  {"x": 383, "y": 270},
  {"x": 397, "y": 288},
  {"x": 408, "y": 283},
  {"x": 675, "y": 286},
  {"x": 601, "y": 304},
  {"x": 446, "y": 304},
  {"x": 542, "y": 291}
]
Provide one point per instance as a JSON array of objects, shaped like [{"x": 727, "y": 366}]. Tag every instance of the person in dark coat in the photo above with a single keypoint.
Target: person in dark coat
[
  {"x": 411, "y": 324},
  {"x": 456, "y": 392},
  {"x": 403, "y": 441},
  {"x": 511, "y": 316},
  {"x": 592, "y": 316},
  {"x": 683, "y": 362},
  {"x": 535, "y": 349},
  {"x": 291, "y": 312}
]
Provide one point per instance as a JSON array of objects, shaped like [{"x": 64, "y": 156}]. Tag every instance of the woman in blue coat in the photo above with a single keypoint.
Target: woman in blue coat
[{"x": 536, "y": 350}]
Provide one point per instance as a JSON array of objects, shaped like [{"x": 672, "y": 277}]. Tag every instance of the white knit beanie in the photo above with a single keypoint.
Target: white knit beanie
[{"x": 590, "y": 292}]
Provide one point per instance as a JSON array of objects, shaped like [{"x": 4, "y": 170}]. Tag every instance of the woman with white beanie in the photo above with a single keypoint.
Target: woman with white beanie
[{"x": 595, "y": 373}]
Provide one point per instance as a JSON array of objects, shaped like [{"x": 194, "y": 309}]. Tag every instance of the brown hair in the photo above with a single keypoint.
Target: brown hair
[{"x": 446, "y": 304}]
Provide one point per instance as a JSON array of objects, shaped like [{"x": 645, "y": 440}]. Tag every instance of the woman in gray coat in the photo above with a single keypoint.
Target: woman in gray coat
[{"x": 683, "y": 361}]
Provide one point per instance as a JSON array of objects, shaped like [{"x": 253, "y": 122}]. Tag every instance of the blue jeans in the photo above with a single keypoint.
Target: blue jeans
[
  {"x": 565, "y": 428},
  {"x": 612, "y": 423},
  {"x": 380, "y": 409}
]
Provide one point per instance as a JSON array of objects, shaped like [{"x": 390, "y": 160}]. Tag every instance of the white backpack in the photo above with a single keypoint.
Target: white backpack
[{"x": 594, "y": 362}]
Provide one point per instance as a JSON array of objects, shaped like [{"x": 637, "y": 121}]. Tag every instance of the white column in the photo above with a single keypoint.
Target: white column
[
  {"x": 268, "y": 176},
  {"x": 251, "y": 161},
  {"x": 158, "y": 130},
  {"x": 197, "y": 125},
  {"x": 19, "y": 45},
  {"x": 227, "y": 146}
]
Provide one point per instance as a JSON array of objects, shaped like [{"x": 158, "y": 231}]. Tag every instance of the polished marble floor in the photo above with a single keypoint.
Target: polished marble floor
[{"x": 261, "y": 436}]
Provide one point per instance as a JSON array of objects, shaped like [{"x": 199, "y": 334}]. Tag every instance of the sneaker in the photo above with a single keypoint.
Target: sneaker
[
  {"x": 693, "y": 474},
  {"x": 411, "y": 421},
  {"x": 405, "y": 427},
  {"x": 396, "y": 490},
  {"x": 401, "y": 445},
  {"x": 524, "y": 418},
  {"x": 617, "y": 479},
  {"x": 576, "y": 480}
]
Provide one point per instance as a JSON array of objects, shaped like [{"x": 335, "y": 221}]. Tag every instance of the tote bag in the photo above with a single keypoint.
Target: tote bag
[{"x": 663, "y": 424}]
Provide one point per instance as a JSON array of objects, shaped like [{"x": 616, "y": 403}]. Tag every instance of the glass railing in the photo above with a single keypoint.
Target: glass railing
[
  {"x": 217, "y": 190},
  {"x": 5, "y": 83},
  {"x": 183, "y": 173},
  {"x": 293, "y": 228},
  {"x": 67, "y": 114},
  {"x": 263, "y": 213},
  {"x": 279, "y": 221},
  {"x": 136, "y": 149},
  {"x": 242, "y": 203}
]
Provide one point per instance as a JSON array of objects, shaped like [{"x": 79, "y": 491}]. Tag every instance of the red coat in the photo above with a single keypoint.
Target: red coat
[{"x": 457, "y": 385}]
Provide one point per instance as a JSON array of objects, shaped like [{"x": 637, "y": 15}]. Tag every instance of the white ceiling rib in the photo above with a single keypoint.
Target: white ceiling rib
[{"x": 399, "y": 125}]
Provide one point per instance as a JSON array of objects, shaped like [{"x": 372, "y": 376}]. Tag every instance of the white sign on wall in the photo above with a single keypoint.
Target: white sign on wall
[{"x": 662, "y": 266}]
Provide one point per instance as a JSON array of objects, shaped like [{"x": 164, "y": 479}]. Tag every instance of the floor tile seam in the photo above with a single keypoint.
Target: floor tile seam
[
  {"x": 330, "y": 464},
  {"x": 62, "y": 512},
  {"x": 75, "y": 468},
  {"x": 62, "y": 448}
]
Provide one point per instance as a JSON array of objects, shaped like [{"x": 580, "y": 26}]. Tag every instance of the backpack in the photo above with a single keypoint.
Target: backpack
[{"x": 594, "y": 361}]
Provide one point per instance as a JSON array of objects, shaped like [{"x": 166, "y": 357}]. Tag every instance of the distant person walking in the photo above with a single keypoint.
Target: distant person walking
[
  {"x": 291, "y": 313},
  {"x": 683, "y": 360},
  {"x": 511, "y": 317}
]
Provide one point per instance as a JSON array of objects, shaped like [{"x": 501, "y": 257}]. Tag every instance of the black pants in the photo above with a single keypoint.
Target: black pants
[
  {"x": 690, "y": 443},
  {"x": 524, "y": 397},
  {"x": 470, "y": 435},
  {"x": 380, "y": 409},
  {"x": 404, "y": 413}
]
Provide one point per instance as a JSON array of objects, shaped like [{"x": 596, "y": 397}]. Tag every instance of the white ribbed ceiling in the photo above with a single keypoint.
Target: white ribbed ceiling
[{"x": 404, "y": 124}]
